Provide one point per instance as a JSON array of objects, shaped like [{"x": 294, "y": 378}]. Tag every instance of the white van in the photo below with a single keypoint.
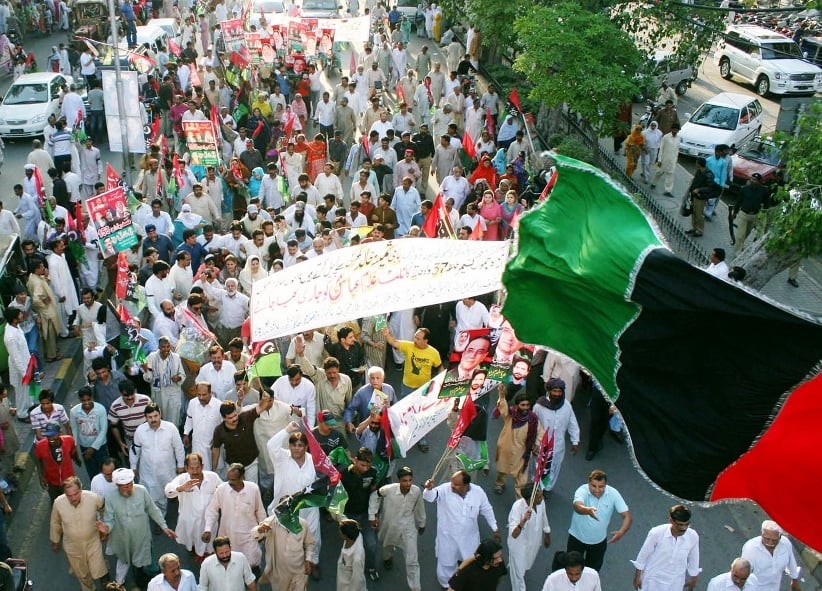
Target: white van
[
  {"x": 155, "y": 36},
  {"x": 169, "y": 25}
]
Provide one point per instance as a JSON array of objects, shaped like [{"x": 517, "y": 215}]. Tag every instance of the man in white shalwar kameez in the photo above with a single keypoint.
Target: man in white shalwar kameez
[
  {"x": 202, "y": 418},
  {"x": 556, "y": 414},
  {"x": 194, "y": 490},
  {"x": 574, "y": 577},
  {"x": 240, "y": 509},
  {"x": 157, "y": 455},
  {"x": 772, "y": 556},
  {"x": 528, "y": 528},
  {"x": 288, "y": 556},
  {"x": 272, "y": 420},
  {"x": 163, "y": 370},
  {"x": 62, "y": 283},
  {"x": 399, "y": 514},
  {"x": 669, "y": 557},
  {"x": 739, "y": 578},
  {"x": 18, "y": 360},
  {"x": 458, "y": 505},
  {"x": 293, "y": 470}
]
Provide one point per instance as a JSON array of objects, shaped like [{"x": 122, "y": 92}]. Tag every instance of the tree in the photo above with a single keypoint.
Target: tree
[
  {"x": 579, "y": 58},
  {"x": 794, "y": 224}
]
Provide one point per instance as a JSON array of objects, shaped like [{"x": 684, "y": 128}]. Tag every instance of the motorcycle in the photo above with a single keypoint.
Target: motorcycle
[
  {"x": 651, "y": 110},
  {"x": 14, "y": 575}
]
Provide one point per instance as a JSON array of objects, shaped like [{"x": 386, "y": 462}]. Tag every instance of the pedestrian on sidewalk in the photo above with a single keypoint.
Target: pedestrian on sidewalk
[
  {"x": 634, "y": 148},
  {"x": 667, "y": 159},
  {"x": 653, "y": 138}
]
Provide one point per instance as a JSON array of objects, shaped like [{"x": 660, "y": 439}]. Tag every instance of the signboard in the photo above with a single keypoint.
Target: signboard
[
  {"x": 135, "y": 134},
  {"x": 202, "y": 145},
  {"x": 112, "y": 220}
]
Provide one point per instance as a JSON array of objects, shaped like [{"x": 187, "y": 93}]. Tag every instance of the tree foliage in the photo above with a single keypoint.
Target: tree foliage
[
  {"x": 799, "y": 227},
  {"x": 579, "y": 58}
]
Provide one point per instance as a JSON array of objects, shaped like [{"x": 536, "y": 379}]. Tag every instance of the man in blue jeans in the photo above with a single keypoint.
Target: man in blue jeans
[{"x": 127, "y": 12}]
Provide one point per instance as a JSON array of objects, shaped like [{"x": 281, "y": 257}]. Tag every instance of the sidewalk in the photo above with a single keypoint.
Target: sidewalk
[{"x": 59, "y": 376}]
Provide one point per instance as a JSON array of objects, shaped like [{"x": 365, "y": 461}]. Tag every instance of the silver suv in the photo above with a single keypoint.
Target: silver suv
[
  {"x": 766, "y": 59},
  {"x": 661, "y": 67}
]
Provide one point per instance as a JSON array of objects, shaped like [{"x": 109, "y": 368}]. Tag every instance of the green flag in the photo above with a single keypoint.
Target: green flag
[
  {"x": 582, "y": 244},
  {"x": 288, "y": 510},
  {"x": 266, "y": 366},
  {"x": 339, "y": 498}
]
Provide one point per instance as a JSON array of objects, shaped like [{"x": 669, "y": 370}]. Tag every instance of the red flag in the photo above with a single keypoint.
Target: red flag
[
  {"x": 515, "y": 219},
  {"x": 321, "y": 462},
  {"x": 257, "y": 130},
  {"x": 430, "y": 225},
  {"x": 467, "y": 414},
  {"x": 175, "y": 169},
  {"x": 545, "y": 458},
  {"x": 514, "y": 99},
  {"x": 489, "y": 123},
  {"x": 174, "y": 48},
  {"x": 78, "y": 214},
  {"x": 288, "y": 126},
  {"x": 155, "y": 129},
  {"x": 428, "y": 89},
  {"x": 352, "y": 67},
  {"x": 385, "y": 422},
  {"x": 138, "y": 58},
  {"x": 121, "y": 284},
  {"x": 80, "y": 116},
  {"x": 122, "y": 313},
  {"x": 215, "y": 121},
  {"x": 477, "y": 233},
  {"x": 548, "y": 186},
  {"x": 164, "y": 146},
  {"x": 31, "y": 369},
  {"x": 112, "y": 178},
  {"x": 38, "y": 186},
  {"x": 400, "y": 94},
  {"x": 468, "y": 145},
  {"x": 366, "y": 147}
]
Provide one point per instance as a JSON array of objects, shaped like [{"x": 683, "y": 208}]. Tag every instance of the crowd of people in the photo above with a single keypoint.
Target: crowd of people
[{"x": 233, "y": 449}]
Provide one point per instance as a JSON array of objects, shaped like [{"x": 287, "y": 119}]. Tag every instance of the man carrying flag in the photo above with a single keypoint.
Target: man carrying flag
[
  {"x": 527, "y": 528},
  {"x": 516, "y": 440},
  {"x": 294, "y": 469},
  {"x": 288, "y": 555},
  {"x": 557, "y": 418}
]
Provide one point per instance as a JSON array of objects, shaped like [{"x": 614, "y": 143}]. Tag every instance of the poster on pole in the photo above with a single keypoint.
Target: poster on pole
[
  {"x": 233, "y": 34},
  {"x": 135, "y": 134},
  {"x": 201, "y": 143},
  {"x": 112, "y": 220}
]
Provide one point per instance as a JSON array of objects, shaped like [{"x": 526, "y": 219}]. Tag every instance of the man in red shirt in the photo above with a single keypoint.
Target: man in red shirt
[{"x": 54, "y": 454}]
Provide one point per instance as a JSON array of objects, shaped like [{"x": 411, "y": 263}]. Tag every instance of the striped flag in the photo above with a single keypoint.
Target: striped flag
[
  {"x": 545, "y": 458},
  {"x": 467, "y": 414}
]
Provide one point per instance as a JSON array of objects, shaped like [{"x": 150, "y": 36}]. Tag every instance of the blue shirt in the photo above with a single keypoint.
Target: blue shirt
[
  {"x": 718, "y": 166},
  {"x": 587, "y": 529},
  {"x": 89, "y": 428},
  {"x": 361, "y": 402},
  {"x": 127, "y": 10},
  {"x": 197, "y": 252}
]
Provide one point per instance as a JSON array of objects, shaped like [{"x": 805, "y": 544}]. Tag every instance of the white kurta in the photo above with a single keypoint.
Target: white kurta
[
  {"x": 588, "y": 581},
  {"x": 193, "y": 505},
  {"x": 401, "y": 516},
  {"x": 724, "y": 582},
  {"x": 157, "y": 454},
  {"x": 18, "y": 359},
  {"x": 167, "y": 393},
  {"x": 561, "y": 421},
  {"x": 351, "y": 567},
  {"x": 522, "y": 550},
  {"x": 561, "y": 366},
  {"x": 457, "y": 528},
  {"x": 291, "y": 478},
  {"x": 769, "y": 568},
  {"x": 222, "y": 381},
  {"x": 665, "y": 560},
  {"x": 239, "y": 513},
  {"x": 62, "y": 284},
  {"x": 200, "y": 424}
]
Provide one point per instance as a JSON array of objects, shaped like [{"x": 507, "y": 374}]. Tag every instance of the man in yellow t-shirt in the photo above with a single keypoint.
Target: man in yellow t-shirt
[{"x": 422, "y": 361}]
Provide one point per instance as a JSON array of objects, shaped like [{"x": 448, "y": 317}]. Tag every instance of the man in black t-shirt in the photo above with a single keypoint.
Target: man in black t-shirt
[
  {"x": 359, "y": 481},
  {"x": 236, "y": 434},
  {"x": 327, "y": 434}
]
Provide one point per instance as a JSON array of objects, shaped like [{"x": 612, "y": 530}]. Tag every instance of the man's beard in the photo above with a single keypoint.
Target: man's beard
[{"x": 225, "y": 560}]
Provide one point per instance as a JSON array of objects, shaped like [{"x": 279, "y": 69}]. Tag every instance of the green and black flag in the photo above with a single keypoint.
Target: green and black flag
[{"x": 707, "y": 375}]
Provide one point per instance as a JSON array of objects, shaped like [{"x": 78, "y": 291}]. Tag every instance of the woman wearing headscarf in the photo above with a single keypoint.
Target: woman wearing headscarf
[
  {"x": 485, "y": 171},
  {"x": 258, "y": 130},
  {"x": 510, "y": 208},
  {"x": 255, "y": 181},
  {"x": 491, "y": 212},
  {"x": 634, "y": 146},
  {"x": 186, "y": 220},
  {"x": 253, "y": 271}
]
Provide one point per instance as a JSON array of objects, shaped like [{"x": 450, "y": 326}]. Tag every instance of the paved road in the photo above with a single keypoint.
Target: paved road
[{"x": 723, "y": 529}]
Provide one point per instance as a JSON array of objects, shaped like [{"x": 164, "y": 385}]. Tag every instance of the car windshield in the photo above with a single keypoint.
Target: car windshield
[
  {"x": 760, "y": 151},
  {"x": 269, "y": 6},
  {"x": 716, "y": 116},
  {"x": 320, "y": 4},
  {"x": 781, "y": 51},
  {"x": 26, "y": 94}
]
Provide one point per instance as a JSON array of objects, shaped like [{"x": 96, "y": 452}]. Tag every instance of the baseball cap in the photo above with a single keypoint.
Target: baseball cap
[{"x": 326, "y": 417}]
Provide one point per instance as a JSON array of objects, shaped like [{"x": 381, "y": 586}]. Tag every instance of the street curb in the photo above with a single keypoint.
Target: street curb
[
  {"x": 812, "y": 559},
  {"x": 61, "y": 385}
]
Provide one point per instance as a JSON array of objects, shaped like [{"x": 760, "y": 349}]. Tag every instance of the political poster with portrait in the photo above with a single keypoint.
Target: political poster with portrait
[
  {"x": 254, "y": 44},
  {"x": 233, "y": 34},
  {"x": 112, "y": 220},
  {"x": 201, "y": 143}
]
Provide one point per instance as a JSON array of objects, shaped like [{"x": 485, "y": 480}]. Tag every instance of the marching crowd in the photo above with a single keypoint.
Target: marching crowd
[{"x": 233, "y": 449}]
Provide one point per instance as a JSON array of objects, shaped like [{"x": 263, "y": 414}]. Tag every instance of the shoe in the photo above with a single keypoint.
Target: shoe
[
  {"x": 793, "y": 282},
  {"x": 24, "y": 419},
  {"x": 689, "y": 231},
  {"x": 388, "y": 564},
  {"x": 590, "y": 455},
  {"x": 668, "y": 194},
  {"x": 373, "y": 574},
  {"x": 316, "y": 573}
]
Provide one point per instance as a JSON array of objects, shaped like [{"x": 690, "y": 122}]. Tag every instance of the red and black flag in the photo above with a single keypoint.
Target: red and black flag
[{"x": 718, "y": 387}]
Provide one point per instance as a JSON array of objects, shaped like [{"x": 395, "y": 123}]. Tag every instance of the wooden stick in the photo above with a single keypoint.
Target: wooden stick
[
  {"x": 533, "y": 495},
  {"x": 441, "y": 461}
]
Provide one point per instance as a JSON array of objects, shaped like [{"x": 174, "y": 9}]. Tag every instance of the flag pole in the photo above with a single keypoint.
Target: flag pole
[
  {"x": 441, "y": 461},
  {"x": 534, "y": 492}
]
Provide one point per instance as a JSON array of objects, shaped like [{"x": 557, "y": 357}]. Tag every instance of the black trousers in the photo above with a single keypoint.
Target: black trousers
[{"x": 594, "y": 554}]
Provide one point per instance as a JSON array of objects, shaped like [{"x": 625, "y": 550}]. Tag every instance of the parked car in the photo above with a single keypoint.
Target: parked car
[
  {"x": 811, "y": 48},
  {"x": 728, "y": 118},
  {"x": 760, "y": 155},
  {"x": 771, "y": 62},
  {"x": 661, "y": 67},
  {"x": 268, "y": 8},
  {"x": 29, "y": 102},
  {"x": 321, "y": 9},
  {"x": 169, "y": 25}
]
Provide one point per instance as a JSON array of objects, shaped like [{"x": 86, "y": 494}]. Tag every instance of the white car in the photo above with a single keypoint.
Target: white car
[
  {"x": 728, "y": 118},
  {"x": 30, "y": 100}
]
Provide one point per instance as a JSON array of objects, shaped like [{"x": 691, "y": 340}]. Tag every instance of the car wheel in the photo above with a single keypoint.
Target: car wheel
[
  {"x": 682, "y": 87},
  {"x": 725, "y": 68},
  {"x": 763, "y": 86}
]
